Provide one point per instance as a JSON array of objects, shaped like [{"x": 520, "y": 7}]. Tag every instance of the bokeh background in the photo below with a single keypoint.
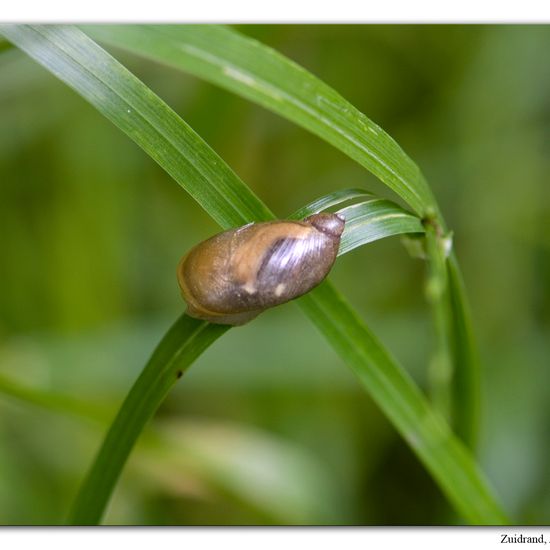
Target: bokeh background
[{"x": 269, "y": 426}]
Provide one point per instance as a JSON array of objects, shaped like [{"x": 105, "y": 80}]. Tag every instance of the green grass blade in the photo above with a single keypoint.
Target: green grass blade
[
  {"x": 375, "y": 219},
  {"x": 466, "y": 373},
  {"x": 112, "y": 89},
  {"x": 366, "y": 221},
  {"x": 181, "y": 345},
  {"x": 449, "y": 462},
  {"x": 328, "y": 201},
  {"x": 242, "y": 65}
]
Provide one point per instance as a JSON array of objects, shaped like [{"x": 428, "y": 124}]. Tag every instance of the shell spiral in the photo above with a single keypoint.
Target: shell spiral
[{"x": 235, "y": 275}]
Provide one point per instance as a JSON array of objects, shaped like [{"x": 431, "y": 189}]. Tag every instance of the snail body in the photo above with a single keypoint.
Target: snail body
[{"x": 235, "y": 275}]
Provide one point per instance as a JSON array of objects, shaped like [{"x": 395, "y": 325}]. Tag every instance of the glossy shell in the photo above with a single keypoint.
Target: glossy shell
[{"x": 235, "y": 275}]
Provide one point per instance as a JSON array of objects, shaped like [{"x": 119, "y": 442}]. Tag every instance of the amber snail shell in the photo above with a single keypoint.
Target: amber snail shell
[{"x": 232, "y": 277}]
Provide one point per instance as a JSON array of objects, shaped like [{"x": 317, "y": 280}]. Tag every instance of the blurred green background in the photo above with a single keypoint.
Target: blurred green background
[{"x": 269, "y": 426}]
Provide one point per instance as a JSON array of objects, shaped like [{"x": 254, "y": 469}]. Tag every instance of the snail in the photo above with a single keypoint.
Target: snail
[{"x": 235, "y": 275}]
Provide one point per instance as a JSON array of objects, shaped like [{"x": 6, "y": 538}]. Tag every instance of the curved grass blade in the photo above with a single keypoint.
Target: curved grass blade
[
  {"x": 366, "y": 221},
  {"x": 328, "y": 201},
  {"x": 181, "y": 345},
  {"x": 466, "y": 373},
  {"x": 430, "y": 437},
  {"x": 375, "y": 219},
  {"x": 242, "y": 65},
  {"x": 107, "y": 85}
]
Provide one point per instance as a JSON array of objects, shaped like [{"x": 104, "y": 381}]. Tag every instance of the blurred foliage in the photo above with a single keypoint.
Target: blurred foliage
[{"x": 87, "y": 279}]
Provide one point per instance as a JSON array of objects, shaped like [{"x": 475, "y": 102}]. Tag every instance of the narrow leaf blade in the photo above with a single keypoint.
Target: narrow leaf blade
[
  {"x": 466, "y": 375},
  {"x": 244, "y": 66},
  {"x": 375, "y": 219},
  {"x": 181, "y": 345},
  {"x": 366, "y": 221},
  {"x": 328, "y": 201},
  {"x": 430, "y": 437}
]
